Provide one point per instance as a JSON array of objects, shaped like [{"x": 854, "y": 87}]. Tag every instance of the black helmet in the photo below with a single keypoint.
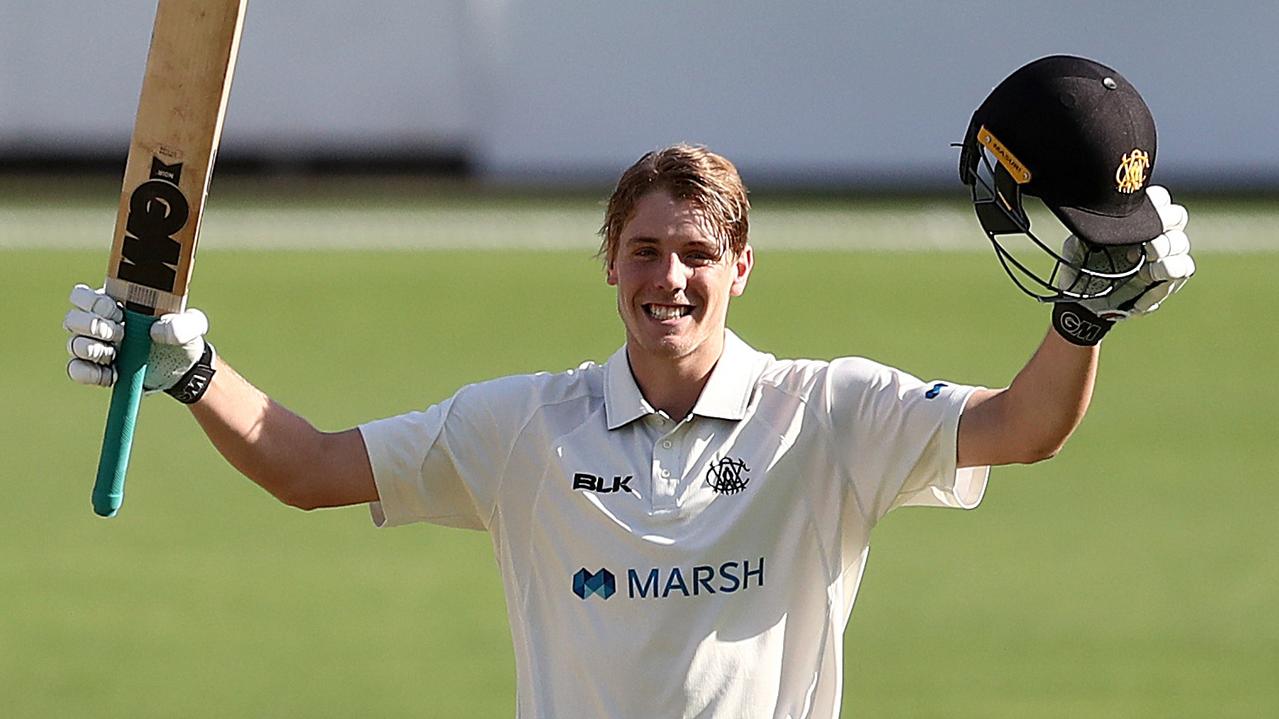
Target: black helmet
[{"x": 1078, "y": 136}]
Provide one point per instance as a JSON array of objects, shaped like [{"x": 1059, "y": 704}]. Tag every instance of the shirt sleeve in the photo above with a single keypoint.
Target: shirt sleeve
[
  {"x": 898, "y": 438},
  {"x": 442, "y": 465}
]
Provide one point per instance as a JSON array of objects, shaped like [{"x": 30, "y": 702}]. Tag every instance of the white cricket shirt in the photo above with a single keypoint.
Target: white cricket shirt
[{"x": 658, "y": 568}]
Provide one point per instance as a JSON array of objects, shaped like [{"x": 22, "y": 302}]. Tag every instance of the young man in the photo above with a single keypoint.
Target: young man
[{"x": 682, "y": 530}]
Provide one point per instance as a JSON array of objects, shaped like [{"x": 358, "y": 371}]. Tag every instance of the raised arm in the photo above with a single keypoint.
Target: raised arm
[
  {"x": 281, "y": 451},
  {"x": 1032, "y": 418},
  {"x": 277, "y": 449}
]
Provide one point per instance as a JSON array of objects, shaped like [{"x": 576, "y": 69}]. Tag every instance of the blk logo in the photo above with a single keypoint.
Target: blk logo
[
  {"x": 600, "y": 485},
  {"x": 936, "y": 390},
  {"x": 601, "y": 583},
  {"x": 728, "y": 475}
]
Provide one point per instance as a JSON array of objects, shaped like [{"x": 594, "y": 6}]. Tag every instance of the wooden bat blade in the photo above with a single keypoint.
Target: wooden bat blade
[
  {"x": 175, "y": 140},
  {"x": 166, "y": 179}
]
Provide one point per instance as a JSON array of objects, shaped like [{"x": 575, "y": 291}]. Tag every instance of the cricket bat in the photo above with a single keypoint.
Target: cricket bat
[{"x": 166, "y": 180}]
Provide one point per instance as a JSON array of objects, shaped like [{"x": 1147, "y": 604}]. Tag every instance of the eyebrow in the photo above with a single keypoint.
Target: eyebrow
[{"x": 700, "y": 242}]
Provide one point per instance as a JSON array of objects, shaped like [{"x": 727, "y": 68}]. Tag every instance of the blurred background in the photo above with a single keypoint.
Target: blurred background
[
  {"x": 406, "y": 201},
  {"x": 819, "y": 95}
]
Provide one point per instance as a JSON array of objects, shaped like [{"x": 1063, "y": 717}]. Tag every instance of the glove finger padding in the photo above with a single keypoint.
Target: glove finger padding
[
  {"x": 1166, "y": 269},
  {"x": 180, "y": 328},
  {"x": 1170, "y": 243},
  {"x": 86, "y": 372},
  {"x": 1149, "y": 302},
  {"x": 96, "y": 326},
  {"x": 178, "y": 344},
  {"x": 90, "y": 324},
  {"x": 1176, "y": 267},
  {"x": 1173, "y": 217},
  {"x": 1159, "y": 196},
  {"x": 87, "y": 348},
  {"x": 96, "y": 302}
]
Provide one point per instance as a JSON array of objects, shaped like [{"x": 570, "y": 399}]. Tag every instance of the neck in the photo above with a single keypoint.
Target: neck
[{"x": 673, "y": 385}]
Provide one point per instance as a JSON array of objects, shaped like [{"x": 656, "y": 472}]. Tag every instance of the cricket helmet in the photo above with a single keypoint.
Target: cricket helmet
[{"x": 1076, "y": 135}]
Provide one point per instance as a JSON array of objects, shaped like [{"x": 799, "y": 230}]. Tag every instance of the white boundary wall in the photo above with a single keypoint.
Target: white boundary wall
[{"x": 823, "y": 92}]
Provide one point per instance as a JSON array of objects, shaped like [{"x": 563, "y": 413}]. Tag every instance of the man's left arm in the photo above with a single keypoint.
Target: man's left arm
[{"x": 1031, "y": 419}]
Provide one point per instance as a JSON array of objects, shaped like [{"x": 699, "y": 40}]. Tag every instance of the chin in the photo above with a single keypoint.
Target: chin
[
  {"x": 675, "y": 346},
  {"x": 670, "y": 345}
]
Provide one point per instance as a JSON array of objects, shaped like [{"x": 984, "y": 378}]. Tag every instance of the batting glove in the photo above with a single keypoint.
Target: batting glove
[
  {"x": 1167, "y": 267},
  {"x": 96, "y": 324}
]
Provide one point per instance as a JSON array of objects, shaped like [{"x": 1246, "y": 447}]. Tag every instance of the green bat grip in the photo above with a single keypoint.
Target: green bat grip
[{"x": 131, "y": 369}]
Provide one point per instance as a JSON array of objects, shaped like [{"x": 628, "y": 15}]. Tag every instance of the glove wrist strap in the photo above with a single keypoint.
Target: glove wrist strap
[
  {"x": 1078, "y": 325},
  {"x": 193, "y": 384}
]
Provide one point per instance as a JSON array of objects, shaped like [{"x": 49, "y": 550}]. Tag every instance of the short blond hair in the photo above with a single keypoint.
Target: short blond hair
[{"x": 687, "y": 172}]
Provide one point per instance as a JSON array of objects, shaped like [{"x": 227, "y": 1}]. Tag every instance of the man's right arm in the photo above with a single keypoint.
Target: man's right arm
[
  {"x": 280, "y": 451},
  {"x": 272, "y": 446}
]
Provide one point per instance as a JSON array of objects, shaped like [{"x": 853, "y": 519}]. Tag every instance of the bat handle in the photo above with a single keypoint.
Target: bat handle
[{"x": 131, "y": 369}]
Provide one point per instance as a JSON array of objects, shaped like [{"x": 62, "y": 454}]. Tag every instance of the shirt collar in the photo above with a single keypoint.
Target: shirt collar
[{"x": 727, "y": 393}]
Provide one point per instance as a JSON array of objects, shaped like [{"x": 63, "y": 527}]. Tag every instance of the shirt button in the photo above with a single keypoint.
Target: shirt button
[
  {"x": 666, "y": 473},
  {"x": 666, "y": 444}
]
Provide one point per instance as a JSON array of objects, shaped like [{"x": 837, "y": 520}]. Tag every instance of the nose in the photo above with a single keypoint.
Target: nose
[{"x": 674, "y": 273}]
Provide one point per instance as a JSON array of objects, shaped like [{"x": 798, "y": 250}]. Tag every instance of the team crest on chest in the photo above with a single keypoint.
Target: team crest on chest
[{"x": 728, "y": 475}]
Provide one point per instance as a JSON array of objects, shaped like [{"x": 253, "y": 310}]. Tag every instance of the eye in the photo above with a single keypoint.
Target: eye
[{"x": 700, "y": 257}]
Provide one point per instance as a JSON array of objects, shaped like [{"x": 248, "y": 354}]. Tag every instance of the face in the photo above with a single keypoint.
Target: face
[{"x": 673, "y": 285}]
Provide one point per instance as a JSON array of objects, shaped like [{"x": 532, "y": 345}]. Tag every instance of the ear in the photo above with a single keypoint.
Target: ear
[
  {"x": 610, "y": 273},
  {"x": 742, "y": 270}
]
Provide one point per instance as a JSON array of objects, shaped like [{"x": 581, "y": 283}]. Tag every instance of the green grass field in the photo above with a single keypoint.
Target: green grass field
[{"x": 1135, "y": 575}]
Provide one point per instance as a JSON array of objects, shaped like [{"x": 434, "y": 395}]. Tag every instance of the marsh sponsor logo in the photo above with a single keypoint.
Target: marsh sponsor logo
[
  {"x": 695, "y": 581},
  {"x": 666, "y": 582},
  {"x": 601, "y": 583}
]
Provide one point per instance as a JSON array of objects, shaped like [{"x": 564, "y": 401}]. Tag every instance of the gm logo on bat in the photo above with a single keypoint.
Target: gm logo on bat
[{"x": 157, "y": 210}]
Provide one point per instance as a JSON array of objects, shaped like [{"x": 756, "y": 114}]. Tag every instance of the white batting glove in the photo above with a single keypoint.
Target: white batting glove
[
  {"x": 96, "y": 324},
  {"x": 1168, "y": 266}
]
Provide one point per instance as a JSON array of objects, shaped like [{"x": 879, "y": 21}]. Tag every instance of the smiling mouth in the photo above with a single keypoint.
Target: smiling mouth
[{"x": 662, "y": 313}]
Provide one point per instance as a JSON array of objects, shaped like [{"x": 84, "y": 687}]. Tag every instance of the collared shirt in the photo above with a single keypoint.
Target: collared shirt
[{"x": 704, "y": 566}]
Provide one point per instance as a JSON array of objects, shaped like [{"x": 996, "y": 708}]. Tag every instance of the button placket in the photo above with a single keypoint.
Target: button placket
[{"x": 666, "y": 473}]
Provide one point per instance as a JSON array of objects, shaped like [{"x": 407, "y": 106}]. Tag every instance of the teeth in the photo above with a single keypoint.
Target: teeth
[{"x": 666, "y": 312}]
